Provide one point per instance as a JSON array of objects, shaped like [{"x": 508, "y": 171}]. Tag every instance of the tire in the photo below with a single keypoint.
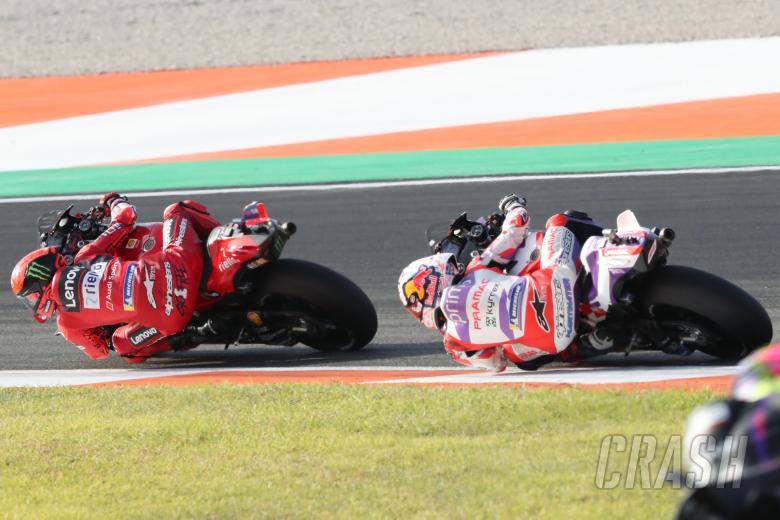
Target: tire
[
  {"x": 325, "y": 293},
  {"x": 734, "y": 315}
]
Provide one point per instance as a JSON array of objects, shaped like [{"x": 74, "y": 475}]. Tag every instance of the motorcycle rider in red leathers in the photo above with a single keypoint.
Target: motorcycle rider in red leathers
[
  {"x": 507, "y": 305},
  {"x": 153, "y": 297}
]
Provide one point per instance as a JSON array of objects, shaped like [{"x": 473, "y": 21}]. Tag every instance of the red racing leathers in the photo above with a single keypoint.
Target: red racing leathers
[
  {"x": 510, "y": 305},
  {"x": 148, "y": 299}
]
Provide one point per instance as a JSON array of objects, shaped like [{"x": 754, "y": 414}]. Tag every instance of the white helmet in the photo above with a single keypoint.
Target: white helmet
[{"x": 421, "y": 284}]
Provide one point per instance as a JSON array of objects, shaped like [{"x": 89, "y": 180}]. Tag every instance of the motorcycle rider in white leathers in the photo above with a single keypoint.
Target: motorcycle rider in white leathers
[{"x": 509, "y": 304}]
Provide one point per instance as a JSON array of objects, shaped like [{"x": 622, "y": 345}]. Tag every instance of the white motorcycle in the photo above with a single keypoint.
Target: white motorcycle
[{"x": 625, "y": 284}]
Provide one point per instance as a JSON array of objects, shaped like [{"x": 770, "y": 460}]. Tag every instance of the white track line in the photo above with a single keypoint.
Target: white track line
[
  {"x": 560, "y": 375},
  {"x": 576, "y": 376},
  {"x": 400, "y": 183}
]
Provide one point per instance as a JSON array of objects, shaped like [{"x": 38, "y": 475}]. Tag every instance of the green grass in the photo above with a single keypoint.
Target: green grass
[{"x": 325, "y": 451}]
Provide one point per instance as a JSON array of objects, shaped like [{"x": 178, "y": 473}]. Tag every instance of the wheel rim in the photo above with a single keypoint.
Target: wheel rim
[
  {"x": 687, "y": 325},
  {"x": 327, "y": 334}
]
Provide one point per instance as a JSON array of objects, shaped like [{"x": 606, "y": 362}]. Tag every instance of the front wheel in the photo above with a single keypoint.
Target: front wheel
[
  {"x": 732, "y": 321},
  {"x": 334, "y": 313}
]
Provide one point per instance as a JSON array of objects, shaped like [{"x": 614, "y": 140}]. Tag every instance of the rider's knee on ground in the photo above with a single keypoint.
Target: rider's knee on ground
[
  {"x": 134, "y": 359},
  {"x": 135, "y": 340}
]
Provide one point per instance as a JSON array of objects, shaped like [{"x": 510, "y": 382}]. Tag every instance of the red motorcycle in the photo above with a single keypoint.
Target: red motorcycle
[{"x": 254, "y": 295}]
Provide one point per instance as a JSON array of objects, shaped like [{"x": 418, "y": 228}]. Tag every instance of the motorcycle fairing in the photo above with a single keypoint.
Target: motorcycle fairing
[
  {"x": 611, "y": 260},
  {"x": 228, "y": 249}
]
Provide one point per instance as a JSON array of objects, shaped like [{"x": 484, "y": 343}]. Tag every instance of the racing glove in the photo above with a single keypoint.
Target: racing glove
[
  {"x": 109, "y": 199},
  {"x": 118, "y": 208},
  {"x": 510, "y": 202}
]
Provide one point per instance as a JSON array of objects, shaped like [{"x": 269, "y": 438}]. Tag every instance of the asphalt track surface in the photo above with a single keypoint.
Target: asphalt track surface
[
  {"x": 725, "y": 223},
  {"x": 41, "y": 37}
]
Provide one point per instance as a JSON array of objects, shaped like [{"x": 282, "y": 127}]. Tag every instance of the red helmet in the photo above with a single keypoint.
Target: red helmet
[{"x": 31, "y": 281}]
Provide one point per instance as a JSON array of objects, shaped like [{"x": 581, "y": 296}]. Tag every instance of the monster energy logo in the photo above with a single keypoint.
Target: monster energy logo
[{"x": 41, "y": 272}]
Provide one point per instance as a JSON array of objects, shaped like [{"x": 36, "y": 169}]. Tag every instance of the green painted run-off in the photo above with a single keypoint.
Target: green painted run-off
[{"x": 655, "y": 155}]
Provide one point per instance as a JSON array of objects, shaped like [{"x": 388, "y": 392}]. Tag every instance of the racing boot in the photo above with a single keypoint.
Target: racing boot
[{"x": 604, "y": 338}]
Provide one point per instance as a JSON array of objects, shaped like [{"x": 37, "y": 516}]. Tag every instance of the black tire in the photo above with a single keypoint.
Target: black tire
[
  {"x": 675, "y": 291},
  {"x": 328, "y": 294}
]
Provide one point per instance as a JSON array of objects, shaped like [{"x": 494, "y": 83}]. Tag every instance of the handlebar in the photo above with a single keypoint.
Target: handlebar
[
  {"x": 71, "y": 232},
  {"x": 466, "y": 237}
]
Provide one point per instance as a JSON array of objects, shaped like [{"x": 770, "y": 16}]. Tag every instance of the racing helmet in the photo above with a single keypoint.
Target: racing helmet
[
  {"x": 421, "y": 284},
  {"x": 758, "y": 375},
  {"x": 31, "y": 281}
]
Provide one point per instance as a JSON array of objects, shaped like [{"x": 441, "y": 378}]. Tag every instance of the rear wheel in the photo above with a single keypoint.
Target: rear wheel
[
  {"x": 730, "y": 323},
  {"x": 335, "y": 313}
]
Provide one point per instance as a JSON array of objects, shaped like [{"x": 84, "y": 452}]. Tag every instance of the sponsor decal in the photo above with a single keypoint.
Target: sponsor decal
[
  {"x": 453, "y": 304},
  {"x": 141, "y": 336},
  {"x": 128, "y": 287},
  {"x": 68, "y": 288},
  {"x": 621, "y": 251},
  {"x": 180, "y": 295},
  {"x": 491, "y": 319},
  {"x": 149, "y": 243},
  {"x": 516, "y": 306},
  {"x": 475, "y": 300},
  {"x": 564, "y": 314},
  {"x": 168, "y": 288},
  {"x": 168, "y": 231},
  {"x": 179, "y": 290},
  {"x": 39, "y": 272},
  {"x": 150, "y": 273},
  {"x": 559, "y": 308},
  {"x": 538, "y": 305},
  {"x": 560, "y": 244},
  {"x": 567, "y": 239},
  {"x": 131, "y": 243},
  {"x": 227, "y": 263},
  {"x": 110, "y": 284},
  {"x": 552, "y": 239},
  {"x": 182, "y": 230},
  {"x": 422, "y": 286},
  {"x": 90, "y": 285}
]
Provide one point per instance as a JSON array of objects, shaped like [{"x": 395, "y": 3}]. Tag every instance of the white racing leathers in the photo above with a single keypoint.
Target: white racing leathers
[{"x": 494, "y": 317}]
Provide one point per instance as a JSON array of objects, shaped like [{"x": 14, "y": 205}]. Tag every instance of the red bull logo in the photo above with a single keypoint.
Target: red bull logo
[{"x": 422, "y": 287}]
